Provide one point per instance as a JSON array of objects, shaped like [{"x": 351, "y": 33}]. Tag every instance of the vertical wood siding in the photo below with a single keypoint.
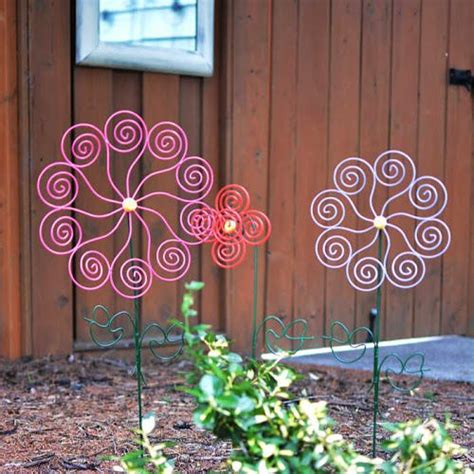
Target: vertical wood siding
[
  {"x": 10, "y": 246},
  {"x": 299, "y": 85},
  {"x": 348, "y": 78}
]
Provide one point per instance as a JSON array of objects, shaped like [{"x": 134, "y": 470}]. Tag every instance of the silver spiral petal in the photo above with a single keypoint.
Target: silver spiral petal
[
  {"x": 366, "y": 273},
  {"x": 432, "y": 238},
  {"x": 393, "y": 168},
  {"x": 429, "y": 196},
  {"x": 328, "y": 208},
  {"x": 352, "y": 175},
  {"x": 406, "y": 270},
  {"x": 332, "y": 249}
]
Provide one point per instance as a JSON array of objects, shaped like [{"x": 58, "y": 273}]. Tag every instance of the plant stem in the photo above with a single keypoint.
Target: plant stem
[
  {"x": 136, "y": 343},
  {"x": 376, "y": 369},
  {"x": 255, "y": 292}
]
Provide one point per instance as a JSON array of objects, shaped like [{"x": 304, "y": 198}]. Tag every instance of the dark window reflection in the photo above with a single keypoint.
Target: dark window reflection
[{"x": 163, "y": 23}]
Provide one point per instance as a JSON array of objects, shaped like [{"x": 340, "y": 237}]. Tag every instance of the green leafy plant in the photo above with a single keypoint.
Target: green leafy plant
[
  {"x": 249, "y": 403},
  {"x": 149, "y": 458},
  {"x": 423, "y": 447}
]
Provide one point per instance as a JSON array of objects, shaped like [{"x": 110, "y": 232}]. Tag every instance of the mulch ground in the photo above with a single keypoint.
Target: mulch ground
[{"x": 66, "y": 414}]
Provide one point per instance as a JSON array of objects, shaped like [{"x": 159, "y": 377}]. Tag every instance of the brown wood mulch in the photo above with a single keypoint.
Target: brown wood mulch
[{"x": 66, "y": 414}]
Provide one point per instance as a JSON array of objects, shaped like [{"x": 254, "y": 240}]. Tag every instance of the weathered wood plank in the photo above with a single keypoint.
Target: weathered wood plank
[
  {"x": 374, "y": 113},
  {"x": 212, "y": 146},
  {"x": 311, "y": 157},
  {"x": 93, "y": 104},
  {"x": 50, "y": 114},
  {"x": 10, "y": 243},
  {"x": 398, "y": 319},
  {"x": 190, "y": 118},
  {"x": 160, "y": 103},
  {"x": 431, "y": 145},
  {"x": 458, "y": 170},
  {"x": 249, "y": 154},
  {"x": 343, "y": 133},
  {"x": 281, "y": 173}
]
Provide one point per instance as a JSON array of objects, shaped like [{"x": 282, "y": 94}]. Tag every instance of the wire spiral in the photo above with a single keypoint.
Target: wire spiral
[
  {"x": 429, "y": 237},
  {"x": 295, "y": 332},
  {"x": 174, "y": 259},
  {"x": 107, "y": 330},
  {"x": 65, "y": 186},
  {"x": 230, "y": 226},
  {"x": 167, "y": 141}
]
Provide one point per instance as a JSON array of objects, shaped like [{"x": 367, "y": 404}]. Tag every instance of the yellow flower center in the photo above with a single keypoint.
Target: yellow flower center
[
  {"x": 129, "y": 205},
  {"x": 380, "y": 222},
  {"x": 230, "y": 226}
]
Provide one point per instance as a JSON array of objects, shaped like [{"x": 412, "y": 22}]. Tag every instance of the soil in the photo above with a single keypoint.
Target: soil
[{"x": 67, "y": 414}]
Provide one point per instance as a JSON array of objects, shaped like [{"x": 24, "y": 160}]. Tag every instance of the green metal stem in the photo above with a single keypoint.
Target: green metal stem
[
  {"x": 137, "y": 345},
  {"x": 255, "y": 292},
  {"x": 376, "y": 369}
]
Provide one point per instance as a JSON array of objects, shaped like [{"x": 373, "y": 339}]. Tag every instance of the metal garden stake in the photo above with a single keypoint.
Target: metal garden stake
[
  {"x": 379, "y": 260},
  {"x": 74, "y": 226},
  {"x": 231, "y": 226}
]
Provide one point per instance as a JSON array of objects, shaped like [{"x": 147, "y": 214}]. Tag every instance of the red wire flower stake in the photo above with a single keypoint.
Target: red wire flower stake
[
  {"x": 232, "y": 226},
  {"x": 391, "y": 246},
  {"x": 86, "y": 220}
]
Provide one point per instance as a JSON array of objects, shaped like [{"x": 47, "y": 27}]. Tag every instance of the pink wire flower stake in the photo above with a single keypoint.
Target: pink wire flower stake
[
  {"x": 391, "y": 246},
  {"x": 231, "y": 226},
  {"x": 86, "y": 220}
]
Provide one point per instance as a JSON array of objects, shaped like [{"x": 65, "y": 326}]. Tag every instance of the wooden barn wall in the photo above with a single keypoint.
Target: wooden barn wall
[
  {"x": 299, "y": 85},
  {"x": 312, "y": 82},
  {"x": 58, "y": 94}
]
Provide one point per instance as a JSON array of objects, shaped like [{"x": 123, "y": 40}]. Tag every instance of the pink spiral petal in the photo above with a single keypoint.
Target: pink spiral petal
[
  {"x": 86, "y": 145},
  {"x": 174, "y": 259},
  {"x": 60, "y": 188},
  {"x": 92, "y": 269},
  {"x": 195, "y": 176},
  {"x": 197, "y": 220},
  {"x": 65, "y": 232},
  {"x": 167, "y": 141},
  {"x": 125, "y": 131},
  {"x": 134, "y": 278}
]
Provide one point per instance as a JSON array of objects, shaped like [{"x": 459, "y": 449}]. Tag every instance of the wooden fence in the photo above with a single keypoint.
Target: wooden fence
[{"x": 299, "y": 85}]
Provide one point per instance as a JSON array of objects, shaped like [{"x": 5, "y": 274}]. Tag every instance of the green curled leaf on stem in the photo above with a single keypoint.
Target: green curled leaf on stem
[
  {"x": 116, "y": 332},
  {"x": 348, "y": 339},
  {"x": 271, "y": 335},
  {"x": 413, "y": 365},
  {"x": 162, "y": 337}
]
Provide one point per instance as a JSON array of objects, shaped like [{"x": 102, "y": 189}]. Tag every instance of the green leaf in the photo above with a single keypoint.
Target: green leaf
[
  {"x": 245, "y": 404},
  {"x": 210, "y": 385},
  {"x": 194, "y": 285}
]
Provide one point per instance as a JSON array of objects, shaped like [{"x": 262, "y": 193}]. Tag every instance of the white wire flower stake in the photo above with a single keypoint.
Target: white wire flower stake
[{"x": 375, "y": 244}]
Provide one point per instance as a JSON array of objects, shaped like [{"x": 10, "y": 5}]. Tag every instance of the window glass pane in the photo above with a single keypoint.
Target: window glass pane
[{"x": 151, "y": 23}]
